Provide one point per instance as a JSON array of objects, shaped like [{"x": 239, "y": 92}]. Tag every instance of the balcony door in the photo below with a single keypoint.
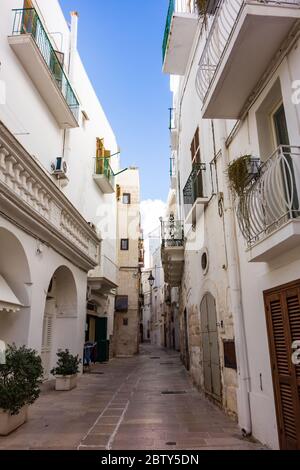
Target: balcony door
[
  {"x": 289, "y": 187},
  {"x": 280, "y": 126}
]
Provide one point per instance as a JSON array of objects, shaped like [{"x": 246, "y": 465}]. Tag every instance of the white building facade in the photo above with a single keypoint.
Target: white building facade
[
  {"x": 236, "y": 125},
  {"x": 58, "y": 204}
]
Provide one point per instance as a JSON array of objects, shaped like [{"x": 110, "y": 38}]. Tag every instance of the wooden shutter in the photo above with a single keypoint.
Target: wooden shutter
[
  {"x": 47, "y": 333},
  {"x": 283, "y": 319},
  {"x": 28, "y": 4}
]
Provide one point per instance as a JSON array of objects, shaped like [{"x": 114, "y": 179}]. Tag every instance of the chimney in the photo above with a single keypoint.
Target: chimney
[{"x": 73, "y": 42}]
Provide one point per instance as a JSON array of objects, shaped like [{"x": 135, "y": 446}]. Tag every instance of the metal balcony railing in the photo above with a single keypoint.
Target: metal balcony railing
[
  {"x": 177, "y": 6},
  {"x": 102, "y": 167},
  {"x": 172, "y": 232},
  {"x": 172, "y": 124},
  {"x": 221, "y": 29},
  {"x": 172, "y": 167},
  {"x": 194, "y": 187},
  {"x": 27, "y": 21},
  {"x": 271, "y": 198}
]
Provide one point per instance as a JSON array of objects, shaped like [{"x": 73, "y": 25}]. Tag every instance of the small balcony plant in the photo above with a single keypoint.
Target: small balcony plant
[
  {"x": 20, "y": 379},
  {"x": 66, "y": 371},
  {"x": 241, "y": 172}
]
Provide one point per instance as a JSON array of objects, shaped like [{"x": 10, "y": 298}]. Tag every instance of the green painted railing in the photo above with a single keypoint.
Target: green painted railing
[
  {"x": 168, "y": 27},
  {"x": 27, "y": 21},
  {"x": 102, "y": 167}
]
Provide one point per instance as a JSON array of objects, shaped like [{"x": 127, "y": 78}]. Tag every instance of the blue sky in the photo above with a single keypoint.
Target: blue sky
[{"x": 120, "y": 45}]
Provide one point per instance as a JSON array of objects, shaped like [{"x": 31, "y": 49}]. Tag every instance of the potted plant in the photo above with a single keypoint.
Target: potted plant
[
  {"x": 241, "y": 172},
  {"x": 66, "y": 371},
  {"x": 20, "y": 379}
]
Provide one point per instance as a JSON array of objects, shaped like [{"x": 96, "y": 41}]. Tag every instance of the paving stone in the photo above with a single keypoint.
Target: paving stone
[{"x": 90, "y": 414}]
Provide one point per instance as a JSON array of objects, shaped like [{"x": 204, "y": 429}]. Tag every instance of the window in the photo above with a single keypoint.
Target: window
[
  {"x": 126, "y": 198},
  {"x": 196, "y": 162},
  {"x": 124, "y": 244},
  {"x": 195, "y": 148},
  {"x": 125, "y": 321},
  {"x": 121, "y": 303}
]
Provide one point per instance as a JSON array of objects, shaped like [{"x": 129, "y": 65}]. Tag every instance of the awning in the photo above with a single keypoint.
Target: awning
[{"x": 8, "y": 301}]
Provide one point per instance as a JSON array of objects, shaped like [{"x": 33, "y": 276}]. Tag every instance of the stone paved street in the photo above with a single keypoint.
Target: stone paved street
[{"x": 125, "y": 405}]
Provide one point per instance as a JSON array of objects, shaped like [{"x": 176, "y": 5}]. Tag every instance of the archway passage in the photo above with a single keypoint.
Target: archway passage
[
  {"x": 210, "y": 344},
  {"x": 15, "y": 281},
  {"x": 60, "y": 326}
]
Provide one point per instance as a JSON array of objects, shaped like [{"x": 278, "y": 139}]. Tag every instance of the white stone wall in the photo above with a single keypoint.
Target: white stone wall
[
  {"x": 209, "y": 234},
  {"x": 28, "y": 118}
]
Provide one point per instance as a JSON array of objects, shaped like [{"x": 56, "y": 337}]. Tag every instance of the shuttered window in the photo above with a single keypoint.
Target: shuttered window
[
  {"x": 47, "y": 333},
  {"x": 283, "y": 319}
]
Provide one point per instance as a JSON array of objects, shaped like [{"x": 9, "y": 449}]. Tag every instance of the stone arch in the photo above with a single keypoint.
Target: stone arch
[
  {"x": 14, "y": 267},
  {"x": 60, "y": 321}
]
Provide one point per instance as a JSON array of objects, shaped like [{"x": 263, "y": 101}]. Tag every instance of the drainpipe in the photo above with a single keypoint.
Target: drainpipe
[
  {"x": 244, "y": 411},
  {"x": 71, "y": 73},
  {"x": 73, "y": 43}
]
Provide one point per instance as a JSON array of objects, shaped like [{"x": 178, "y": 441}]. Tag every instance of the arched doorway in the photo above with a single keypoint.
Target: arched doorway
[
  {"x": 14, "y": 269},
  {"x": 210, "y": 345},
  {"x": 60, "y": 318}
]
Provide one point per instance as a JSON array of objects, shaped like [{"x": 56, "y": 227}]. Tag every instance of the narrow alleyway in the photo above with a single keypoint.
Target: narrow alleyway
[{"x": 126, "y": 405}]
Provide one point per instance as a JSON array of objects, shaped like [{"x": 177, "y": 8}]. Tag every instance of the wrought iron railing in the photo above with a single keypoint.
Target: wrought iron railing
[
  {"x": 271, "y": 198},
  {"x": 172, "y": 167},
  {"x": 172, "y": 124},
  {"x": 172, "y": 233},
  {"x": 102, "y": 167},
  {"x": 194, "y": 187},
  {"x": 27, "y": 21},
  {"x": 221, "y": 29}
]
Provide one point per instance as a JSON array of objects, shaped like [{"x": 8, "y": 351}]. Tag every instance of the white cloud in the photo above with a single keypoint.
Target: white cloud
[{"x": 151, "y": 211}]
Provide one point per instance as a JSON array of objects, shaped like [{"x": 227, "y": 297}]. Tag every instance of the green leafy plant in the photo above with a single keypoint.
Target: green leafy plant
[
  {"x": 20, "y": 379},
  {"x": 201, "y": 5},
  {"x": 66, "y": 364},
  {"x": 238, "y": 174}
]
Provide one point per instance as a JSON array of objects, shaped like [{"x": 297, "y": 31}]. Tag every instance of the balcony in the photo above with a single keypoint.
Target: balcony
[
  {"x": 141, "y": 253},
  {"x": 173, "y": 128},
  {"x": 104, "y": 278},
  {"x": 32, "y": 46},
  {"x": 244, "y": 38},
  {"x": 103, "y": 175},
  {"x": 181, "y": 26},
  {"x": 173, "y": 251},
  {"x": 173, "y": 175},
  {"x": 269, "y": 211},
  {"x": 194, "y": 196},
  {"x": 30, "y": 197}
]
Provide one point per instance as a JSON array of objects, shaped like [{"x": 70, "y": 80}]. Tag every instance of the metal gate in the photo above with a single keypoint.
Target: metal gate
[{"x": 210, "y": 345}]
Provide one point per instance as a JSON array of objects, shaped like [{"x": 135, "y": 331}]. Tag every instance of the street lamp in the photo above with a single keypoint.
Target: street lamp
[{"x": 151, "y": 280}]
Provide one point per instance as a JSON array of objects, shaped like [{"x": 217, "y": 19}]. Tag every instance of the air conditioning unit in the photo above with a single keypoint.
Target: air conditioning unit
[{"x": 60, "y": 168}]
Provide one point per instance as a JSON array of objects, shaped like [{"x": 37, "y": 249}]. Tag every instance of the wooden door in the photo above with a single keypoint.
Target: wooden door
[
  {"x": 210, "y": 345},
  {"x": 283, "y": 320},
  {"x": 186, "y": 342},
  {"x": 101, "y": 339}
]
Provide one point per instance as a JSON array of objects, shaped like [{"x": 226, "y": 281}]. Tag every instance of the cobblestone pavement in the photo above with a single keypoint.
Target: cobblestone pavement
[{"x": 127, "y": 405}]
